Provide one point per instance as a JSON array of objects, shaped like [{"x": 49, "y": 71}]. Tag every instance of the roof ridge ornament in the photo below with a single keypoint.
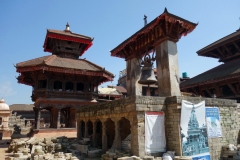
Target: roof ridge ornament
[
  {"x": 145, "y": 20},
  {"x": 165, "y": 10},
  {"x": 239, "y": 26}
]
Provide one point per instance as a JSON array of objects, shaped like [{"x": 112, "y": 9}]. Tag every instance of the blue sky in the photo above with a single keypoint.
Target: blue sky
[{"x": 24, "y": 23}]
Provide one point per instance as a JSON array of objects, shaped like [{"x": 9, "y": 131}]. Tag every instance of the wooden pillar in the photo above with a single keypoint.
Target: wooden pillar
[
  {"x": 58, "y": 118},
  {"x": 167, "y": 69},
  {"x": 38, "y": 118},
  {"x": 104, "y": 136},
  {"x": 133, "y": 76}
]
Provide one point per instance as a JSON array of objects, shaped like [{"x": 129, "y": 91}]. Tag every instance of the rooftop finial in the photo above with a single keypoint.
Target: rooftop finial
[
  {"x": 239, "y": 27},
  {"x": 145, "y": 20},
  {"x": 67, "y": 27},
  {"x": 165, "y": 10}
]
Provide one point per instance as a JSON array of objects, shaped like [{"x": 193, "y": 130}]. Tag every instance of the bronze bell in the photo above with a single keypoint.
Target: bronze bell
[{"x": 147, "y": 76}]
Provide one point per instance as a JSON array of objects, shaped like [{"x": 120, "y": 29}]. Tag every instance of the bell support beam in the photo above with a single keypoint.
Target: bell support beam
[
  {"x": 133, "y": 76},
  {"x": 167, "y": 69}
]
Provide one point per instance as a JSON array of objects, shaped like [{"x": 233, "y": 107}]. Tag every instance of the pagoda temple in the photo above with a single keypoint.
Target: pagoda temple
[
  {"x": 221, "y": 81},
  {"x": 62, "y": 82}
]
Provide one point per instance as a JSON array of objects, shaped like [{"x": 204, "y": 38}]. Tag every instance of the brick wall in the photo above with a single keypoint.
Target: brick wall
[{"x": 229, "y": 122}]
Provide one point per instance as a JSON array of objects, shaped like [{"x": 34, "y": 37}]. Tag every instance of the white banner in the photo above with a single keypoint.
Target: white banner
[
  {"x": 155, "y": 140},
  {"x": 194, "y": 131}
]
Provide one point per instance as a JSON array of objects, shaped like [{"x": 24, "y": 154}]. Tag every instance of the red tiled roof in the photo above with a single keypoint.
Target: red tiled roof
[
  {"x": 69, "y": 33},
  {"x": 121, "y": 89},
  {"x": 187, "y": 25},
  {"x": 67, "y": 36},
  {"x": 66, "y": 63},
  {"x": 222, "y": 72},
  {"x": 21, "y": 107}
]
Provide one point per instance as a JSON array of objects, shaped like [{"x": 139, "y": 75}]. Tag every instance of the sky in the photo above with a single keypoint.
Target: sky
[{"x": 24, "y": 24}]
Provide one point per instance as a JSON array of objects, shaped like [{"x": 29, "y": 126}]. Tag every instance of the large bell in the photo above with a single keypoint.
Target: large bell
[{"x": 147, "y": 76}]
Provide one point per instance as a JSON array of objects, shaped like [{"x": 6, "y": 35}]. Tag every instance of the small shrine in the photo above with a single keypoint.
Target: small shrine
[
  {"x": 5, "y": 132},
  {"x": 62, "y": 82}
]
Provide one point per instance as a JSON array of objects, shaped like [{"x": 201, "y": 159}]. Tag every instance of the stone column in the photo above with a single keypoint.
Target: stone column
[
  {"x": 133, "y": 76},
  {"x": 137, "y": 137},
  {"x": 117, "y": 139},
  {"x": 86, "y": 130},
  {"x": 38, "y": 118},
  {"x": 58, "y": 118},
  {"x": 167, "y": 69},
  {"x": 104, "y": 136},
  {"x": 94, "y": 133}
]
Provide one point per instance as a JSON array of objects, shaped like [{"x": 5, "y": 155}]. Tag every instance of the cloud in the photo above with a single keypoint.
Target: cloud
[{"x": 6, "y": 89}]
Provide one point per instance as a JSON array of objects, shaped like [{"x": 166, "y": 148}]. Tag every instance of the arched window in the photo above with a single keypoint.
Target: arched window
[
  {"x": 80, "y": 86},
  {"x": 57, "y": 85},
  {"x": 69, "y": 86}
]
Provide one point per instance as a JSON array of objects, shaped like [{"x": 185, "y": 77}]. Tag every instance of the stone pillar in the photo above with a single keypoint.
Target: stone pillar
[
  {"x": 86, "y": 130},
  {"x": 94, "y": 134},
  {"x": 167, "y": 69},
  {"x": 117, "y": 139},
  {"x": 133, "y": 76},
  {"x": 104, "y": 136},
  {"x": 58, "y": 118},
  {"x": 137, "y": 137},
  {"x": 38, "y": 118}
]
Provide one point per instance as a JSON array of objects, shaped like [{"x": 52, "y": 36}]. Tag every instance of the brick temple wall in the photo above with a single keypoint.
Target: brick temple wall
[
  {"x": 229, "y": 121},
  {"x": 134, "y": 108}
]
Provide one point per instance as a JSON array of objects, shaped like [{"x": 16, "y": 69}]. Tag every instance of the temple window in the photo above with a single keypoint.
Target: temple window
[
  {"x": 57, "y": 85},
  {"x": 80, "y": 86},
  {"x": 42, "y": 84},
  {"x": 0, "y": 120},
  {"x": 69, "y": 86}
]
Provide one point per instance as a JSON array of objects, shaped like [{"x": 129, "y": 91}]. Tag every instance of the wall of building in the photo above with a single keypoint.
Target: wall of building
[
  {"x": 229, "y": 122},
  {"x": 134, "y": 108}
]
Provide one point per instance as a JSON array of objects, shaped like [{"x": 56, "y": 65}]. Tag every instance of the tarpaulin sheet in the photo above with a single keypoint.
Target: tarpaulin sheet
[{"x": 155, "y": 140}]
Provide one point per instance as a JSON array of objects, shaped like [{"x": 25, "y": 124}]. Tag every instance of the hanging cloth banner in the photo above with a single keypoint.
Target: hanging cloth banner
[
  {"x": 213, "y": 122},
  {"x": 155, "y": 140},
  {"x": 194, "y": 131}
]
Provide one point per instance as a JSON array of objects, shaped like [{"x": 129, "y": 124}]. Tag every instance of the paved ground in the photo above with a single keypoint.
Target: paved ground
[{"x": 3, "y": 149}]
